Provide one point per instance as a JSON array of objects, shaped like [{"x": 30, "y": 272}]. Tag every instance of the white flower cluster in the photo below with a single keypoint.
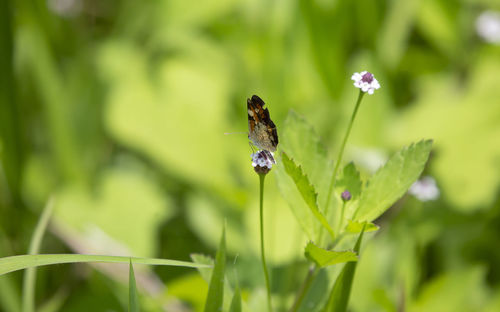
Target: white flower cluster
[
  {"x": 365, "y": 81},
  {"x": 263, "y": 159},
  {"x": 425, "y": 189}
]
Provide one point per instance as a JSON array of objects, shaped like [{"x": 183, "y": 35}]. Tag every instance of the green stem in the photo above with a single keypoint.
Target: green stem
[
  {"x": 262, "y": 252},
  {"x": 29, "y": 278},
  {"x": 341, "y": 152},
  {"x": 311, "y": 275},
  {"x": 341, "y": 217}
]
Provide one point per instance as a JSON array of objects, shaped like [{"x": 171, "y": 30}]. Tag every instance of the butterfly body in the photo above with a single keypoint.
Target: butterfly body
[{"x": 261, "y": 129}]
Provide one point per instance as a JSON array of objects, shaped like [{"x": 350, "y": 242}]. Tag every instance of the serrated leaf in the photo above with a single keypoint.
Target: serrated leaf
[
  {"x": 133, "y": 302},
  {"x": 323, "y": 257},
  {"x": 341, "y": 290},
  {"x": 215, "y": 296},
  {"x": 299, "y": 140},
  {"x": 354, "y": 227},
  {"x": 392, "y": 181},
  {"x": 306, "y": 190},
  {"x": 350, "y": 180}
]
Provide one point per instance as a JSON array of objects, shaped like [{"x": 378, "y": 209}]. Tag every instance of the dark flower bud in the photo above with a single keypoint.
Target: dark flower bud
[{"x": 346, "y": 195}]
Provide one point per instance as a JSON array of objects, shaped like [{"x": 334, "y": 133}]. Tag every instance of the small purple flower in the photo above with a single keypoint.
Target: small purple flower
[
  {"x": 263, "y": 161},
  {"x": 346, "y": 195},
  {"x": 365, "y": 81}
]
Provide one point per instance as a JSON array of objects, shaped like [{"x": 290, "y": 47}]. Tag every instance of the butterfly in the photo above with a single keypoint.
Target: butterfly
[{"x": 261, "y": 129}]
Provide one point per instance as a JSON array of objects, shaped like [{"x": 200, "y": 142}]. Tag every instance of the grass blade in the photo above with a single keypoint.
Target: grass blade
[
  {"x": 215, "y": 296},
  {"x": 236, "y": 301},
  {"x": 339, "y": 296},
  {"x": 29, "y": 279},
  {"x": 133, "y": 302},
  {"x": 14, "y": 263}
]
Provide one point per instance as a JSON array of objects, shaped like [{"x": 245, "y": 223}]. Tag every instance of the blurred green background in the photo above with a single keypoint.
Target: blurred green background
[{"x": 118, "y": 109}]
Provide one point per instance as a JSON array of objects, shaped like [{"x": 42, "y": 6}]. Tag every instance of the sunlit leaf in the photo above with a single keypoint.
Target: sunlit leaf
[
  {"x": 300, "y": 142},
  {"x": 306, "y": 190},
  {"x": 355, "y": 227},
  {"x": 323, "y": 257},
  {"x": 392, "y": 181}
]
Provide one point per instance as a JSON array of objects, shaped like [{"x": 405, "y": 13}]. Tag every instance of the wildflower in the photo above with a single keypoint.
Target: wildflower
[
  {"x": 263, "y": 161},
  {"x": 346, "y": 195},
  {"x": 425, "y": 189},
  {"x": 365, "y": 81},
  {"x": 488, "y": 26}
]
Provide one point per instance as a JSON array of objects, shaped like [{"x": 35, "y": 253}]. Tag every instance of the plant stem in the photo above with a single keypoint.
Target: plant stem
[
  {"x": 339, "y": 226},
  {"x": 29, "y": 277},
  {"x": 311, "y": 274},
  {"x": 313, "y": 270},
  {"x": 341, "y": 152},
  {"x": 262, "y": 252}
]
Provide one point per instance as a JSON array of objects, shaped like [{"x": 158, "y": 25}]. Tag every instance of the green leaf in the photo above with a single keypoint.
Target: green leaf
[
  {"x": 354, "y": 227},
  {"x": 392, "y": 181},
  {"x": 215, "y": 296},
  {"x": 133, "y": 302},
  {"x": 323, "y": 257},
  {"x": 339, "y": 296},
  {"x": 466, "y": 166},
  {"x": 300, "y": 142},
  {"x": 306, "y": 190},
  {"x": 14, "y": 263},
  {"x": 205, "y": 272},
  {"x": 350, "y": 180},
  {"x": 236, "y": 301}
]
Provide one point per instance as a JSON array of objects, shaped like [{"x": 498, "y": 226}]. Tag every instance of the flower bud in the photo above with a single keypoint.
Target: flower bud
[{"x": 346, "y": 195}]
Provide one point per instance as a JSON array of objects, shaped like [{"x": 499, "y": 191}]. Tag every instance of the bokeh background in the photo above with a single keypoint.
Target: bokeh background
[{"x": 118, "y": 109}]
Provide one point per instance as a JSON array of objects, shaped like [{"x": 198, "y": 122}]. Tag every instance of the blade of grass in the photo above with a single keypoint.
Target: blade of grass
[
  {"x": 14, "y": 263},
  {"x": 215, "y": 296},
  {"x": 236, "y": 301},
  {"x": 133, "y": 302},
  {"x": 339, "y": 296},
  {"x": 29, "y": 279}
]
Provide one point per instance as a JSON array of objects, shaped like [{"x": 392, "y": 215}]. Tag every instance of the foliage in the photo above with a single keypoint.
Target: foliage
[{"x": 117, "y": 110}]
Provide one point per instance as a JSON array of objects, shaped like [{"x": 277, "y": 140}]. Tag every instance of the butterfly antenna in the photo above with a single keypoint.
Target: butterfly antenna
[{"x": 237, "y": 132}]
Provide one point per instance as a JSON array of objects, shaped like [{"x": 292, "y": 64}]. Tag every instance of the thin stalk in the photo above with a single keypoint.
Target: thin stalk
[
  {"x": 262, "y": 252},
  {"x": 29, "y": 279},
  {"x": 341, "y": 152},
  {"x": 311, "y": 275},
  {"x": 339, "y": 226}
]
